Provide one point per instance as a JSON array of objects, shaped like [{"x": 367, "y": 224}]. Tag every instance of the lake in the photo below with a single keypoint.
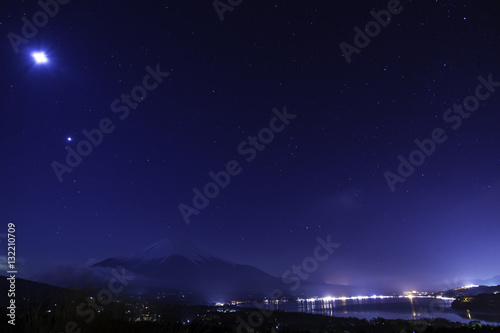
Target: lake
[{"x": 385, "y": 307}]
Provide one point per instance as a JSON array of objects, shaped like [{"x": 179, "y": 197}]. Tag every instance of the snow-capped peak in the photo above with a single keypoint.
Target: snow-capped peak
[{"x": 168, "y": 247}]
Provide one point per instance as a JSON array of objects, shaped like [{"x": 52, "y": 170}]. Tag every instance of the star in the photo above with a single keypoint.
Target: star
[{"x": 40, "y": 57}]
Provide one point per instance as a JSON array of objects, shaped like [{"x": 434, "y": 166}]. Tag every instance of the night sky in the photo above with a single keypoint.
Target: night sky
[{"x": 213, "y": 85}]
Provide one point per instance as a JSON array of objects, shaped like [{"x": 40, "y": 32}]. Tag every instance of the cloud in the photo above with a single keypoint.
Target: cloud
[{"x": 70, "y": 275}]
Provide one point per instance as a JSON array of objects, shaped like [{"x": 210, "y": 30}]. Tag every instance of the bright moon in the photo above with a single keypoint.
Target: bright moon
[{"x": 40, "y": 57}]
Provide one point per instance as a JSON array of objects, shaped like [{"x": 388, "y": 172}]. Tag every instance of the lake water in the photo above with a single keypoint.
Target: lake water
[{"x": 389, "y": 308}]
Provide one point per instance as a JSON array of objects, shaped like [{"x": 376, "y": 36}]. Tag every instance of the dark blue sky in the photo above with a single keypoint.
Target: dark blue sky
[{"x": 323, "y": 174}]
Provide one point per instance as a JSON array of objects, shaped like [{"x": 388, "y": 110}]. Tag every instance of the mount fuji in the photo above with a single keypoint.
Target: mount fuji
[
  {"x": 177, "y": 265},
  {"x": 174, "y": 265}
]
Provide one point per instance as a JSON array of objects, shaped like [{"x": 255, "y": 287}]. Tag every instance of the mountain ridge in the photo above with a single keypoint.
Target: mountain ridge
[{"x": 176, "y": 264}]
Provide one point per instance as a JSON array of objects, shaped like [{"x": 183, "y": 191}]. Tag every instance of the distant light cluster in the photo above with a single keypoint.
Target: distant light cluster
[{"x": 467, "y": 287}]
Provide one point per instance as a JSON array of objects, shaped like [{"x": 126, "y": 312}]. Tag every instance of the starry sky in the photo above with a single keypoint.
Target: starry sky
[{"x": 215, "y": 79}]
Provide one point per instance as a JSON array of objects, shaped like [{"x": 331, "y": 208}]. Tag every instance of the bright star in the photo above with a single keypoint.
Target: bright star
[
  {"x": 69, "y": 138},
  {"x": 40, "y": 57}
]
